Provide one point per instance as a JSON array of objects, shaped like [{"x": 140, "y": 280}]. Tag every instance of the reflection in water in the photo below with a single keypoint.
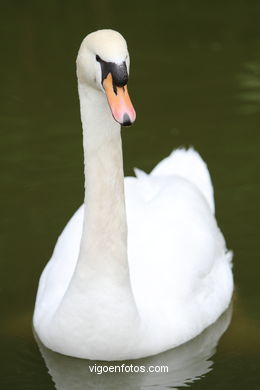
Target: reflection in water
[
  {"x": 185, "y": 364},
  {"x": 249, "y": 83}
]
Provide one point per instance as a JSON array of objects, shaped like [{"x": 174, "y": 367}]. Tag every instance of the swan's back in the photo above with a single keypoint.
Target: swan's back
[
  {"x": 177, "y": 255},
  {"x": 188, "y": 164}
]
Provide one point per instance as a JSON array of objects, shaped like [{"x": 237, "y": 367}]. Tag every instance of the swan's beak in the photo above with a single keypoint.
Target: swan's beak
[{"x": 119, "y": 102}]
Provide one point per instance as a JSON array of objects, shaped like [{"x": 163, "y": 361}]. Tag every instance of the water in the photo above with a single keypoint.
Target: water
[{"x": 195, "y": 80}]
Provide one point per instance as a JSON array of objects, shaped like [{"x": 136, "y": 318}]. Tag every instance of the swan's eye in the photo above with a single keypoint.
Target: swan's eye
[{"x": 98, "y": 58}]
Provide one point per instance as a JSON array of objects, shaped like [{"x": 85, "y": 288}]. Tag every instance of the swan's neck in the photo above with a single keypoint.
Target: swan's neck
[
  {"x": 99, "y": 295},
  {"x": 104, "y": 238}
]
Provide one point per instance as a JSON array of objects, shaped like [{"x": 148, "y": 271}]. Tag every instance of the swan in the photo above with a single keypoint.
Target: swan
[{"x": 142, "y": 266}]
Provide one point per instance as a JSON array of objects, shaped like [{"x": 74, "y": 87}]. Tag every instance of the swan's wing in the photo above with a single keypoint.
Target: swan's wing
[
  {"x": 189, "y": 165},
  {"x": 171, "y": 226},
  {"x": 175, "y": 247},
  {"x": 172, "y": 231}
]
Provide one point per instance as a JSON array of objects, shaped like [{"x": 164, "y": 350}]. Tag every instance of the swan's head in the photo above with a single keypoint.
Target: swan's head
[{"x": 103, "y": 63}]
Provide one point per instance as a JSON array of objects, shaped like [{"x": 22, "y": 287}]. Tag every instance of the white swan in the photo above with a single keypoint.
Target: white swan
[{"x": 138, "y": 273}]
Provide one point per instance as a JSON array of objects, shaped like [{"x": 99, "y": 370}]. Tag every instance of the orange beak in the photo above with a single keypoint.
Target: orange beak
[{"x": 119, "y": 102}]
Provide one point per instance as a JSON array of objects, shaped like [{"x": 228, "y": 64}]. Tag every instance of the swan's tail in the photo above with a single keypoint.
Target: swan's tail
[{"x": 188, "y": 164}]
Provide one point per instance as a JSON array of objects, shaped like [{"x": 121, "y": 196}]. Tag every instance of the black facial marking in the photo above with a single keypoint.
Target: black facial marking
[{"x": 118, "y": 72}]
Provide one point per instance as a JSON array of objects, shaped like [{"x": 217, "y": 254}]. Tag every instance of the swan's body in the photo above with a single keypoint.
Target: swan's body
[{"x": 126, "y": 282}]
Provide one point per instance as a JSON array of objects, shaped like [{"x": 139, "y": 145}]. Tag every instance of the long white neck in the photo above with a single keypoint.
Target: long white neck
[{"x": 104, "y": 238}]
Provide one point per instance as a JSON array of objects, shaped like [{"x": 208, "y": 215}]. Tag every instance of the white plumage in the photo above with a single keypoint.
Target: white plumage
[{"x": 126, "y": 282}]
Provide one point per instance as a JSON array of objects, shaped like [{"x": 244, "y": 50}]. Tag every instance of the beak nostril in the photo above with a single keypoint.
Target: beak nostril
[{"x": 114, "y": 89}]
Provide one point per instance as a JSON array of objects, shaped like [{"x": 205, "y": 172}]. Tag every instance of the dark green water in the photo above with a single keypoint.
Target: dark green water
[{"x": 195, "y": 80}]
